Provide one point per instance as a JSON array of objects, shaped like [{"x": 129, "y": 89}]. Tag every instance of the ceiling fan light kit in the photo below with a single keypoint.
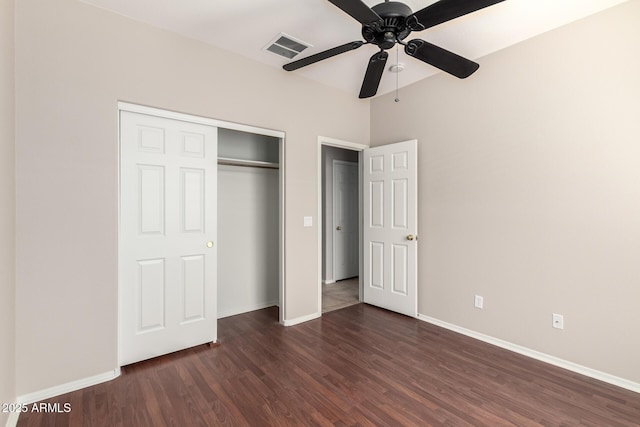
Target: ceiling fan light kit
[{"x": 391, "y": 22}]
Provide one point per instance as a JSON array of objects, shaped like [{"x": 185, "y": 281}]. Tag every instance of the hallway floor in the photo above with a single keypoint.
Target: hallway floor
[{"x": 340, "y": 294}]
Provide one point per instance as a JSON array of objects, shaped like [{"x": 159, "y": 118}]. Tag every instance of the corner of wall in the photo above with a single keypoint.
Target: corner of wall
[{"x": 7, "y": 211}]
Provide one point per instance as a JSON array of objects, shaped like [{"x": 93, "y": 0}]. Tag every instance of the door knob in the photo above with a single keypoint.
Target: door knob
[
  {"x": 209, "y": 244},
  {"x": 338, "y": 228},
  {"x": 410, "y": 237}
]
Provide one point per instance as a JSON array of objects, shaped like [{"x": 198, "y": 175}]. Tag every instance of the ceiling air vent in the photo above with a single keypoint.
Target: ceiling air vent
[{"x": 287, "y": 46}]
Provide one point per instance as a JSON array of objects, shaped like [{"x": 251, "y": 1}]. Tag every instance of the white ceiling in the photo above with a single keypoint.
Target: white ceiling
[{"x": 247, "y": 26}]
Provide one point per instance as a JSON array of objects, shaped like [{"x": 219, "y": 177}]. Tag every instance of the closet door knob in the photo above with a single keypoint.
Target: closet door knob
[
  {"x": 410, "y": 237},
  {"x": 209, "y": 244},
  {"x": 338, "y": 228}
]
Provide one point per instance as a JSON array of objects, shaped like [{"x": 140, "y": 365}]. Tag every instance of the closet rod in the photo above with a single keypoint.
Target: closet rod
[{"x": 247, "y": 163}]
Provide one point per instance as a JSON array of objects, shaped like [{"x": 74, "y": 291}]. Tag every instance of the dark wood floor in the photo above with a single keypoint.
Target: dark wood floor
[{"x": 355, "y": 366}]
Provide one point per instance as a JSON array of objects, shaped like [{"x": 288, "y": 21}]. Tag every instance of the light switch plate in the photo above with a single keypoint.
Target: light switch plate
[{"x": 308, "y": 221}]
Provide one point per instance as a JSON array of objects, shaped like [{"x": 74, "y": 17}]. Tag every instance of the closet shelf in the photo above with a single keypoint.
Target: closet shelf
[{"x": 247, "y": 163}]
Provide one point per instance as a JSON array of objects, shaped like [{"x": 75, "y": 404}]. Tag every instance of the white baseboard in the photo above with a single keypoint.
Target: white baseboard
[
  {"x": 302, "y": 319},
  {"x": 328, "y": 282},
  {"x": 246, "y": 308},
  {"x": 543, "y": 357},
  {"x": 68, "y": 387},
  {"x": 12, "y": 421}
]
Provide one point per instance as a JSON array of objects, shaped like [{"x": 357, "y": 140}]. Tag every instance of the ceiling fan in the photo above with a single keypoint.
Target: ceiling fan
[{"x": 388, "y": 23}]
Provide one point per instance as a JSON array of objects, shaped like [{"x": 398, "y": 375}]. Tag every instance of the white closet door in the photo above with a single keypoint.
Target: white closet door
[{"x": 167, "y": 248}]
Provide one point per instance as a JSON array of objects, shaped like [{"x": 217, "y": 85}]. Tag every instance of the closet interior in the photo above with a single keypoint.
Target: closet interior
[{"x": 249, "y": 201}]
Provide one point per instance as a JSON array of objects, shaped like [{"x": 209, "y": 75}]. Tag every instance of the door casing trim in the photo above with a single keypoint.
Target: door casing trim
[{"x": 348, "y": 145}]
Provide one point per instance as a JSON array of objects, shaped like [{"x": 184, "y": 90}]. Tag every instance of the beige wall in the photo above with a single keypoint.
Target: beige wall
[
  {"x": 73, "y": 63},
  {"x": 529, "y": 191},
  {"x": 7, "y": 207}
]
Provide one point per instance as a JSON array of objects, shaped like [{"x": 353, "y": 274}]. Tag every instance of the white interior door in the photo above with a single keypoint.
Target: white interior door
[
  {"x": 345, "y": 219},
  {"x": 167, "y": 250},
  {"x": 390, "y": 227}
]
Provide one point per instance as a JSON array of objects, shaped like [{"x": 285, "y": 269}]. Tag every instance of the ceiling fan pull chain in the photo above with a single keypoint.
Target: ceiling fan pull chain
[{"x": 397, "y": 72}]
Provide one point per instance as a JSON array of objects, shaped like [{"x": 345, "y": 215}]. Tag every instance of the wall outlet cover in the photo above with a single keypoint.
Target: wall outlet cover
[
  {"x": 558, "y": 321},
  {"x": 478, "y": 302}
]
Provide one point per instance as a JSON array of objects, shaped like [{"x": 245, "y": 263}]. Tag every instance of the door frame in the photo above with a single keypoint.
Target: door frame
[
  {"x": 173, "y": 115},
  {"x": 347, "y": 145}
]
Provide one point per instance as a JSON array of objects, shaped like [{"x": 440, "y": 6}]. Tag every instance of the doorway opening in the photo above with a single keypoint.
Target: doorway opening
[
  {"x": 341, "y": 231},
  {"x": 249, "y": 216}
]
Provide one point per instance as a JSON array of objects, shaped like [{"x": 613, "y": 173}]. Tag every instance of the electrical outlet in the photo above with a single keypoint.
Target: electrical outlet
[
  {"x": 478, "y": 302},
  {"x": 558, "y": 321}
]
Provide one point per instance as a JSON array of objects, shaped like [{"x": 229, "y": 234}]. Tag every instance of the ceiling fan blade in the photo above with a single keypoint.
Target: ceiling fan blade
[
  {"x": 374, "y": 74},
  {"x": 322, "y": 55},
  {"x": 441, "y": 58},
  {"x": 445, "y": 10},
  {"x": 358, "y": 10}
]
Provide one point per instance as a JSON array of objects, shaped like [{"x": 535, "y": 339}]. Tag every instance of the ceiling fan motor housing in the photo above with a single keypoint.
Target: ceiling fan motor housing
[{"x": 393, "y": 27}]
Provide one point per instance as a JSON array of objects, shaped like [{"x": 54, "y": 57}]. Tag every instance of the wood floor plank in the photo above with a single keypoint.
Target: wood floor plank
[{"x": 356, "y": 366}]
